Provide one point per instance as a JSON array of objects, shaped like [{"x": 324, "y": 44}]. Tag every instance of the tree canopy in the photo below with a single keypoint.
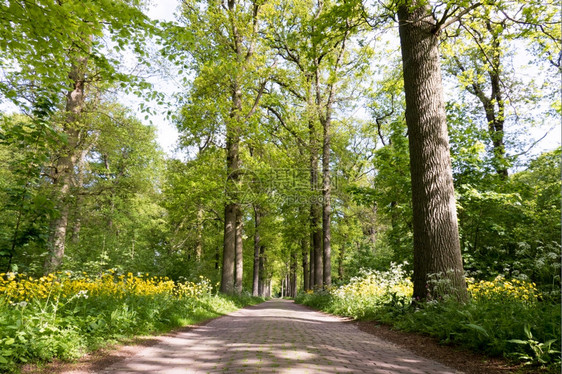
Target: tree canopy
[{"x": 317, "y": 138}]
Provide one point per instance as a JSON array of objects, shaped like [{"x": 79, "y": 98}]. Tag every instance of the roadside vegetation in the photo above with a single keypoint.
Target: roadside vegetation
[
  {"x": 503, "y": 317},
  {"x": 65, "y": 314}
]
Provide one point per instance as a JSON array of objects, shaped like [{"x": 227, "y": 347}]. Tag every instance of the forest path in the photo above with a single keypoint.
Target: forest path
[{"x": 277, "y": 336}]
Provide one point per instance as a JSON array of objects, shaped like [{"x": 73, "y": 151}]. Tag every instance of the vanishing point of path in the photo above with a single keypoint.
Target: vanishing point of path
[{"x": 277, "y": 336}]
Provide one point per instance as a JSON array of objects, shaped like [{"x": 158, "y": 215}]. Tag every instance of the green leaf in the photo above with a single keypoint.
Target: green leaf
[
  {"x": 517, "y": 341},
  {"x": 478, "y": 328}
]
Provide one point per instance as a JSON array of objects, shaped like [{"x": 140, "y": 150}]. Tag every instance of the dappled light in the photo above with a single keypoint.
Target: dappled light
[{"x": 211, "y": 165}]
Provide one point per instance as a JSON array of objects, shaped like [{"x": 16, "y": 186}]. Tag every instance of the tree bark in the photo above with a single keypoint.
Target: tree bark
[
  {"x": 493, "y": 104},
  {"x": 305, "y": 269},
  {"x": 262, "y": 286},
  {"x": 232, "y": 217},
  {"x": 64, "y": 169},
  {"x": 77, "y": 221},
  {"x": 436, "y": 237},
  {"x": 256, "y": 279},
  {"x": 229, "y": 249},
  {"x": 326, "y": 204},
  {"x": 341, "y": 257},
  {"x": 311, "y": 272},
  {"x": 293, "y": 275},
  {"x": 315, "y": 210},
  {"x": 199, "y": 239},
  {"x": 239, "y": 255}
]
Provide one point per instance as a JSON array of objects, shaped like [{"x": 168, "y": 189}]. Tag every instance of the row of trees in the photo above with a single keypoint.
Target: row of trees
[
  {"x": 284, "y": 71},
  {"x": 311, "y": 142}
]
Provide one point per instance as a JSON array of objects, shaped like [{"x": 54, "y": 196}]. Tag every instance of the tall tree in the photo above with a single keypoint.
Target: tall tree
[
  {"x": 317, "y": 66},
  {"x": 436, "y": 236},
  {"x": 228, "y": 60},
  {"x": 64, "y": 166},
  {"x": 64, "y": 52}
]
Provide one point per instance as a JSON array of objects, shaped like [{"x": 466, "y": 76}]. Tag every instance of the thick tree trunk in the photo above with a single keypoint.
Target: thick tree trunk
[
  {"x": 436, "y": 237},
  {"x": 64, "y": 168}
]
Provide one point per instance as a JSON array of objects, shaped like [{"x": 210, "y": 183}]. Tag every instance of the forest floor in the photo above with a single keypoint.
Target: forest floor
[{"x": 280, "y": 335}]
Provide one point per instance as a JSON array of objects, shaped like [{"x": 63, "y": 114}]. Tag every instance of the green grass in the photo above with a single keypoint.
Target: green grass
[{"x": 40, "y": 331}]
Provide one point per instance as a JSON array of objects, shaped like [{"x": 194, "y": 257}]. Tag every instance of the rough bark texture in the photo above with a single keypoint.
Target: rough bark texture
[
  {"x": 436, "y": 237},
  {"x": 64, "y": 167}
]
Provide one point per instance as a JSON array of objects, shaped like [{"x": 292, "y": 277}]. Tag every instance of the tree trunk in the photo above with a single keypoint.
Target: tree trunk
[
  {"x": 494, "y": 104},
  {"x": 311, "y": 272},
  {"x": 64, "y": 168},
  {"x": 77, "y": 222},
  {"x": 305, "y": 269},
  {"x": 229, "y": 249},
  {"x": 232, "y": 215},
  {"x": 293, "y": 275},
  {"x": 239, "y": 256},
  {"x": 217, "y": 257},
  {"x": 341, "y": 257},
  {"x": 199, "y": 240},
  {"x": 326, "y": 204},
  {"x": 262, "y": 287},
  {"x": 256, "y": 280},
  {"x": 315, "y": 210},
  {"x": 436, "y": 237}
]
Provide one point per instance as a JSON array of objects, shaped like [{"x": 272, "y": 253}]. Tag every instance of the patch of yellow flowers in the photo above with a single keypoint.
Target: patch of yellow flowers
[
  {"x": 372, "y": 287},
  {"x": 16, "y": 287},
  {"x": 502, "y": 289},
  {"x": 377, "y": 283}
]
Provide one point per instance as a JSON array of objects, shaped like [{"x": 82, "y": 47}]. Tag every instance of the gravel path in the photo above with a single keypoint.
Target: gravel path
[{"x": 277, "y": 336}]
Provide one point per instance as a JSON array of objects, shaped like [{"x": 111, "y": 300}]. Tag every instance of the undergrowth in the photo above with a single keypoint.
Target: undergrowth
[
  {"x": 65, "y": 315},
  {"x": 509, "y": 318}
]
